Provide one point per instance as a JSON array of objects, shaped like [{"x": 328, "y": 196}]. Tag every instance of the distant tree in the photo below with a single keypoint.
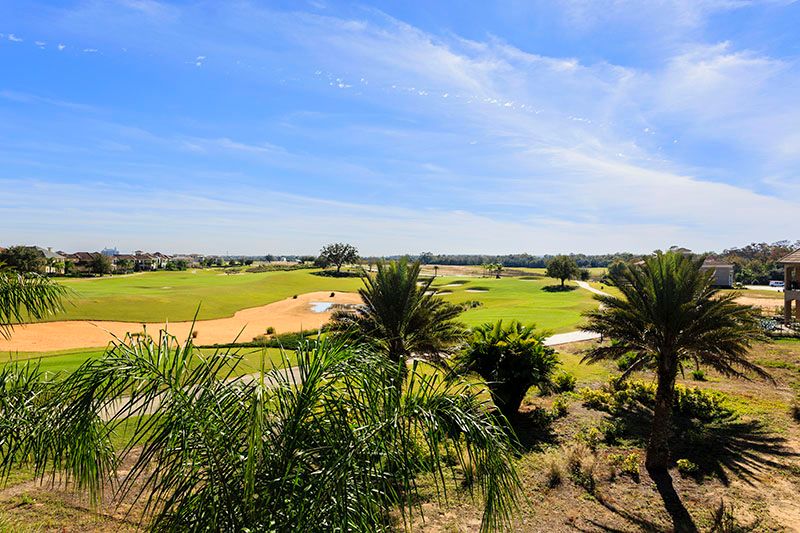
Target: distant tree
[
  {"x": 511, "y": 359},
  {"x": 306, "y": 259},
  {"x": 585, "y": 274},
  {"x": 69, "y": 267},
  {"x": 247, "y": 262},
  {"x": 23, "y": 259},
  {"x": 562, "y": 267},
  {"x": 124, "y": 265},
  {"x": 425, "y": 258},
  {"x": 435, "y": 270},
  {"x": 498, "y": 268},
  {"x": 269, "y": 258},
  {"x": 615, "y": 270},
  {"x": 100, "y": 264},
  {"x": 339, "y": 254}
]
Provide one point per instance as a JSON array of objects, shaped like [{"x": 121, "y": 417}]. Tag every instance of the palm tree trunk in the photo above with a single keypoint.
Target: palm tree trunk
[{"x": 658, "y": 447}]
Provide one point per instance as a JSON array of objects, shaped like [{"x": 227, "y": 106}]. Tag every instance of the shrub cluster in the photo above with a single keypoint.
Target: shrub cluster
[
  {"x": 626, "y": 465},
  {"x": 563, "y": 382},
  {"x": 690, "y": 402}
]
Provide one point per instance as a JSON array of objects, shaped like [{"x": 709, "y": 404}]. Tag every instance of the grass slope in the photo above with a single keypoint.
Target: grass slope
[
  {"x": 518, "y": 299},
  {"x": 174, "y": 296}
]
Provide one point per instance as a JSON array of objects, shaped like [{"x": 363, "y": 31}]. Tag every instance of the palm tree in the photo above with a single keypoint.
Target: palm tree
[
  {"x": 331, "y": 445},
  {"x": 401, "y": 316},
  {"x": 669, "y": 316},
  {"x": 26, "y": 296},
  {"x": 511, "y": 359}
]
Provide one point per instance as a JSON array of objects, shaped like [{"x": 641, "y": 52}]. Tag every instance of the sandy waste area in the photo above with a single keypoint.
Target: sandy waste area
[{"x": 285, "y": 316}]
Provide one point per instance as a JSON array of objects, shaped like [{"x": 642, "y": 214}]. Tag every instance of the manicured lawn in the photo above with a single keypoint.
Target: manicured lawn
[
  {"x": 175, "y": 296},
  {"x": 523, "y": 300},
  {"x": 67, "y": 361}
]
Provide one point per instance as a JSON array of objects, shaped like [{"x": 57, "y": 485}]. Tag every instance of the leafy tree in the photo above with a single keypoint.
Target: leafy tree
[
  {"x": 338, "y": 254},
  {"x": 511, "y": 359},
  {"x": 124, "y": 265},
  {"x": 585, "y": 274},
  {"x": 23, "y": 259},
  {"x": 562, "y": 267},
  {"x": 101, "y": 264},
  {"x": 329, "y": 447},
  {"x": 401, "y": 316},
  {"x": 670, "y": 316},
  {"x": 26, "y": 296}
]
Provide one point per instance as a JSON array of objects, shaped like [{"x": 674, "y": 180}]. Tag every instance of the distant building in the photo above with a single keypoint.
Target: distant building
[
  {"x": 723, "y": 272},
  {"x": 81, "y": 261},
  {"x": 54, "y": 261},
  {"x": 110, "y": 252}
]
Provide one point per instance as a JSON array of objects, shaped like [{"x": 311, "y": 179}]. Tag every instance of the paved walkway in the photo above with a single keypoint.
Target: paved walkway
[{"x": 584, "y": 285}]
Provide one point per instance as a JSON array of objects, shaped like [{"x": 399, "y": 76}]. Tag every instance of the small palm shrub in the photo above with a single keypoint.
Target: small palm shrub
[
  {"x": 698, "y": 375},
  {"x": 563, "y": 382},
  {"x": 511, "y": 359}
]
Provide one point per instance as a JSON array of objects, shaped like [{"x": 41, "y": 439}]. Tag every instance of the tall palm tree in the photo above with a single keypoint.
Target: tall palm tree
[
  {"x": 401, "y": 316},
  {"x": 329, "y": 446},
  {"x": 26, "y": 296},
  {"x": 670, "y": 315}
]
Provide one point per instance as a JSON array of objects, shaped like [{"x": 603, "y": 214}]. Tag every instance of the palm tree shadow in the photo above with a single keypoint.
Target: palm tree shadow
[
  {"x": 721, "y": 448},
  {"x": 533, "y": 429}
]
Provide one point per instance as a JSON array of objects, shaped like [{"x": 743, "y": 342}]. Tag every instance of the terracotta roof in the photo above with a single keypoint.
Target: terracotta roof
[{"x": 793, "y": 257}]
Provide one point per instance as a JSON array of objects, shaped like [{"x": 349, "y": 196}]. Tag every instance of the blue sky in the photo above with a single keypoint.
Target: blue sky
[{"x": 450, "y": 126}]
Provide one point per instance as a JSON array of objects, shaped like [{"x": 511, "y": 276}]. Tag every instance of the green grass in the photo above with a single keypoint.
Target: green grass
[
  {"x": 175, "y": 296},
  {"x": 516, "y": 299},
  {"x": 67, "y": 361}
]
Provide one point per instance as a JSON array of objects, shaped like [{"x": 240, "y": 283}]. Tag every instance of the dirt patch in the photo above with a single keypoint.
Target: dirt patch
[
  {"x": 766, "y": 304},
  {"x": 291, "y": 314}
]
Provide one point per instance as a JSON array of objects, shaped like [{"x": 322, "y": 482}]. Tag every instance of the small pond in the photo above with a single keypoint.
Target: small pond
[{"x": 321, "y": 307}]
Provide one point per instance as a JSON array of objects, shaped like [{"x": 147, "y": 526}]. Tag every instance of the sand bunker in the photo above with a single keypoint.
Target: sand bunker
[
  {"x": 292, "y": 314},
  {"x": 477, "y": 290}
]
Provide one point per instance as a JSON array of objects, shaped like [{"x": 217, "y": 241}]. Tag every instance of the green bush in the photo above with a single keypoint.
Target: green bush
[
  {"x": 698, "y": 375},
  {"x": 270, "y": 330},
  {"x": 591, "y": 436},
  {"x": 625, "y": 361},
  {"x": 690, "y": 402},
  {"x": 559, "y": 407},
  {"x": 627, "y": 465},
  {"x": 686, "y": 467},
  {"x": 612, "y": 431},
  {"x": 563, "y": 382}
]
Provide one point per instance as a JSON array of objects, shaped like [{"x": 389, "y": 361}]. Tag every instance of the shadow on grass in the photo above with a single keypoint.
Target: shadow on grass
[
  {"x": 559, "y": 288},
  {"x": 533, "y": 429},
  {"x": 334, "y": 274}
]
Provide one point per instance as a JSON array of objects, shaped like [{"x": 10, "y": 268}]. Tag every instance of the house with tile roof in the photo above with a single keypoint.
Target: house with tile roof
[{"x": 722, "y": 272}]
